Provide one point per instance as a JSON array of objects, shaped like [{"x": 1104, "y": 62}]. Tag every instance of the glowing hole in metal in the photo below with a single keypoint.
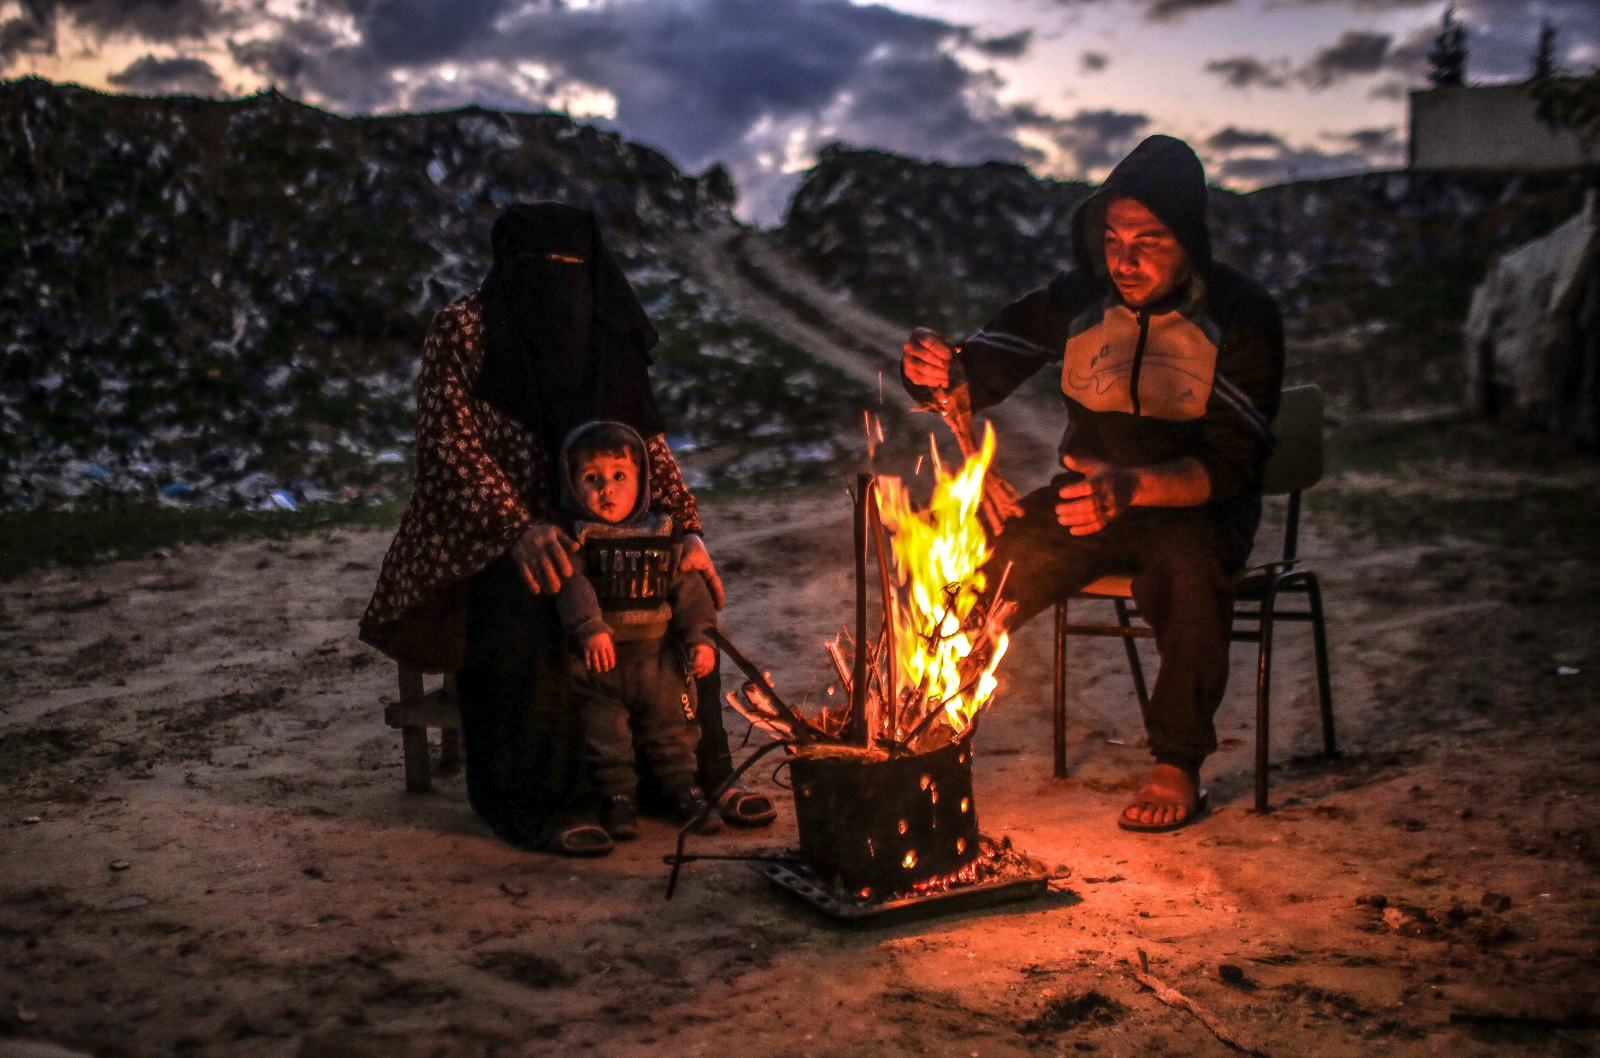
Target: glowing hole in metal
[
  {"x": 961, "y": 845},
  {"x": 903, "y": 826},
  {"x": 866, "y": 892},
  {"x": 966, "y": 805},
  {"x": 910, "y": 861},
  {"x": 926, "y": 782}
]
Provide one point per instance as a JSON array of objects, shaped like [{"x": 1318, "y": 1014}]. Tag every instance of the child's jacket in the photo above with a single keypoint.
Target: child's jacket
[{"x": 628, "y": 580}]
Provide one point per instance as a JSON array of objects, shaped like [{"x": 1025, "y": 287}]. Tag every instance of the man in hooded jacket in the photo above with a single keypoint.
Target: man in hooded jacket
[{"x": 1171, "y": 365}]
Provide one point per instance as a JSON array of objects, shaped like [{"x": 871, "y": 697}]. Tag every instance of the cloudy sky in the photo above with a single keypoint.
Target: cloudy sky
[{"x": 1267, "y": 90}]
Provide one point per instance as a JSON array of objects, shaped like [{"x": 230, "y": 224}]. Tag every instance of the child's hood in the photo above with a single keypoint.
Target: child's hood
[{"x": 569, "y": 496}]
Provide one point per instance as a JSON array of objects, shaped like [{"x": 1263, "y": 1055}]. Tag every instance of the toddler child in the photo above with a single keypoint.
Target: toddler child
[{"x": 637, "y": 626}]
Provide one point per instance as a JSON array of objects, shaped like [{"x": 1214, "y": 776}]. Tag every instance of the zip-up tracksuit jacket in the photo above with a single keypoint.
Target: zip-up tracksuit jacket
[{"x": 1197, "y": 375}]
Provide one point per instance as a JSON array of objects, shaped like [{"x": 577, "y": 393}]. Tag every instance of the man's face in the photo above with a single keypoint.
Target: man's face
[
  {"x": 1143, "y": 257},
  {"x": 608, "y": 486}
]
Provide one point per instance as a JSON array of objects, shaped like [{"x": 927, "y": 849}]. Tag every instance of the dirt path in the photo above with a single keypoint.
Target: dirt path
[{"x": 755, "y": 276}]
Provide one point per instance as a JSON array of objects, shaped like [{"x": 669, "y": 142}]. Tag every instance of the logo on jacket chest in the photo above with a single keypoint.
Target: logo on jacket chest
[{"x": 1174, "y": 371}]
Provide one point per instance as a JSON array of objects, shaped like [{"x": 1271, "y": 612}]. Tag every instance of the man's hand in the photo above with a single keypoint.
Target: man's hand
[
  {"x": 927, "y": 358},
  {"x": 542, "y": 553},
  {"x": 697, "y": 558},
  {"x": 702, "y": 659},
  {"x": 1088, "y": 506},
  {"x": 600, "y": 653}
]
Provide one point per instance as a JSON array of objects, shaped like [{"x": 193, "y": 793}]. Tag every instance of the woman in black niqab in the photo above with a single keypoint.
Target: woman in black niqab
[
  {"x": 565, "y": 342},
  {"x": 565, "y": 339}
]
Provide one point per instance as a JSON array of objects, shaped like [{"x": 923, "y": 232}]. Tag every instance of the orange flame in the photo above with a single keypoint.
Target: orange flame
[{"x": 937, "y": 555}]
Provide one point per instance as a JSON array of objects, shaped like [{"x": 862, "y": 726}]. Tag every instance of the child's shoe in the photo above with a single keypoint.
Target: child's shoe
[
  {"x": 619, "y": 815},
  {"x": 691, "y": 802}
]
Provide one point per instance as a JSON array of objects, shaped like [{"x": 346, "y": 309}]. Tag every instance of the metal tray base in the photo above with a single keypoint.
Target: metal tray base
[{"x": 796, "y": 878}]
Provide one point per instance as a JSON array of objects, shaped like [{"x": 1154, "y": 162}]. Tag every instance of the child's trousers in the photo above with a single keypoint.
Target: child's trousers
[{"x": 646, "y": 700}]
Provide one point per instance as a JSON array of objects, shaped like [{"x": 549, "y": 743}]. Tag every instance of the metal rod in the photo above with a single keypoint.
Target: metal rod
[
  {"x": 677, "y": 860},
  {"x": 855, "y": 726},
  {"x": 1291, "y": 528},
  {"x": 1059, "y": 713},
  {"x": 880, "y": 544}
]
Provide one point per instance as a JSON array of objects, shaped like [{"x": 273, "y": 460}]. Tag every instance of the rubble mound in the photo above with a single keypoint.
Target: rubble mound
[{"x": 224, "y": 301}]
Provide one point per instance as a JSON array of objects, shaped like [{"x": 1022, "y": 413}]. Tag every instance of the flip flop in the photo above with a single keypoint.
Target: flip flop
[
  {"x": 743, "y": 807},
  {"x": 1201, "y": 809},
  {"x": 585, "y": 839}
]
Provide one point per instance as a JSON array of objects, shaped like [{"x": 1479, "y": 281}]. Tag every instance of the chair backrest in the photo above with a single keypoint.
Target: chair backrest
[{"x": 1296, "y": 464}]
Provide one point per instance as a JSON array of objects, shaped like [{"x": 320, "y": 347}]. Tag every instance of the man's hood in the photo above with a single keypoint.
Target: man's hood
[
  {"x": 1164, "y": 175},
  {"x": 569, "y": 496}
]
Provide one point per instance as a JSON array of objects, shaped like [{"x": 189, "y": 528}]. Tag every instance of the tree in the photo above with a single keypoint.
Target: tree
[
  {"x": 1447, "y": 59},
  {"x": 1544, "y": 59}
]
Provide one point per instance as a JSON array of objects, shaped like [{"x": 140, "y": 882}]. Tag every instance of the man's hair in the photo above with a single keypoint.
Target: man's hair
[{"x": 609, "y": 439}]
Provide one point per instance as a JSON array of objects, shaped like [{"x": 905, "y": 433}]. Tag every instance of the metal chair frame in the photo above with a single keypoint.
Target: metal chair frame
[{"x": 1259, "y": 585}]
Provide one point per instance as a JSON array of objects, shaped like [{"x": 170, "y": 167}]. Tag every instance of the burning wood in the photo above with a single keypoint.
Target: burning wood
[
  {"x": 954, "y": 405},
  {"x": 920, "y": 684}
]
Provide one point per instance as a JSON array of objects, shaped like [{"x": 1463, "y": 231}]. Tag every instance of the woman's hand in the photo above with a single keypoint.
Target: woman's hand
[
  {"x": 697, "y": 558},
  {"x": 926, "y": 359},
  {"x": 600, "y": 653},
  {"x": 702, "y": 659},
  {"x": 542, "y": 553}
]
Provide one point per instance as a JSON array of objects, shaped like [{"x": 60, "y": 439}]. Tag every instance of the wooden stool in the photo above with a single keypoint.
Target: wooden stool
[{"x": 417, "y": 711}]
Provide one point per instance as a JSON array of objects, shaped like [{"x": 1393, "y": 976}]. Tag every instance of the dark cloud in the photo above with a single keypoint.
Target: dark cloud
[
  {"x": 1010, "y": 46},
  {"x": 1355, "y": 52},
  {"x": 1166, "y": 10},
  {"x": 1233, "y": 139},
  {"x": 37, "y": 28},
  {"x": 1245, "y": 71},
  {"x": 1244, "y": 157},
  {"x": 1093, "y": 139},
  {"x": 1288, "y": 164},
  {"x": 1094, "y": 61},
  {"x": 1373, "y": 140},
  {"x": 755, "y": 84},
  {"x": 1501, "y": 34},
  {"x": 175, "y": 76}
]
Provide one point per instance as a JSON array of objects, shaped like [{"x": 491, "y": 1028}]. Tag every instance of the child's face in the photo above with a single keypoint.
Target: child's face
[{"x": 608, "y": 486}]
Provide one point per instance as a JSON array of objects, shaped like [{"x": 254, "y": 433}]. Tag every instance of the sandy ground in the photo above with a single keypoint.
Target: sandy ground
[{"x": 205, "y": 847}]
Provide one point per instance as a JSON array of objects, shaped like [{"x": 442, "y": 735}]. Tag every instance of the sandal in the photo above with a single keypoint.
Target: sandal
[
  {"x": 585, "y": 839},
  {"x": 741, "y": 806},
  {"x": 1166, "y": 788},
  {"x": 1197, "y": 811}
]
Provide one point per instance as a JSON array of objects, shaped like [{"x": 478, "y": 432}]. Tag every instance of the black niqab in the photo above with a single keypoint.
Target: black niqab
[{"x": 565, "y": 338}]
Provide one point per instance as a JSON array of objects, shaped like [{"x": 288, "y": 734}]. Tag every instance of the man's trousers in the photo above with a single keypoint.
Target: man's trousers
[{"x": 1182, "y": 562}]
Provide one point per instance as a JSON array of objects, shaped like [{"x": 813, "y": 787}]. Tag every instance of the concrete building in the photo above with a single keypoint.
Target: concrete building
[{"x": 1486, "y": 127}]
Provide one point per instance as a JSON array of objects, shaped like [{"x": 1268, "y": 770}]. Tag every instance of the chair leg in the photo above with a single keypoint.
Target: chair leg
[
  {"x": 450, "y": 737},
  {"x": 414, "y": 740},
  {"x": 1059, "y": 711},
  {"x": 449, "y": 751},
  {"x": 1319, "y": 638},
  {"x": 1264, "y": 697},
  {"x": 1133, "y": 657}
]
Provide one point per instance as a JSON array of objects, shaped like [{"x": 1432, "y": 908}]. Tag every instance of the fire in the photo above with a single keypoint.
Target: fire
[{"x": 938, "y": 552}]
